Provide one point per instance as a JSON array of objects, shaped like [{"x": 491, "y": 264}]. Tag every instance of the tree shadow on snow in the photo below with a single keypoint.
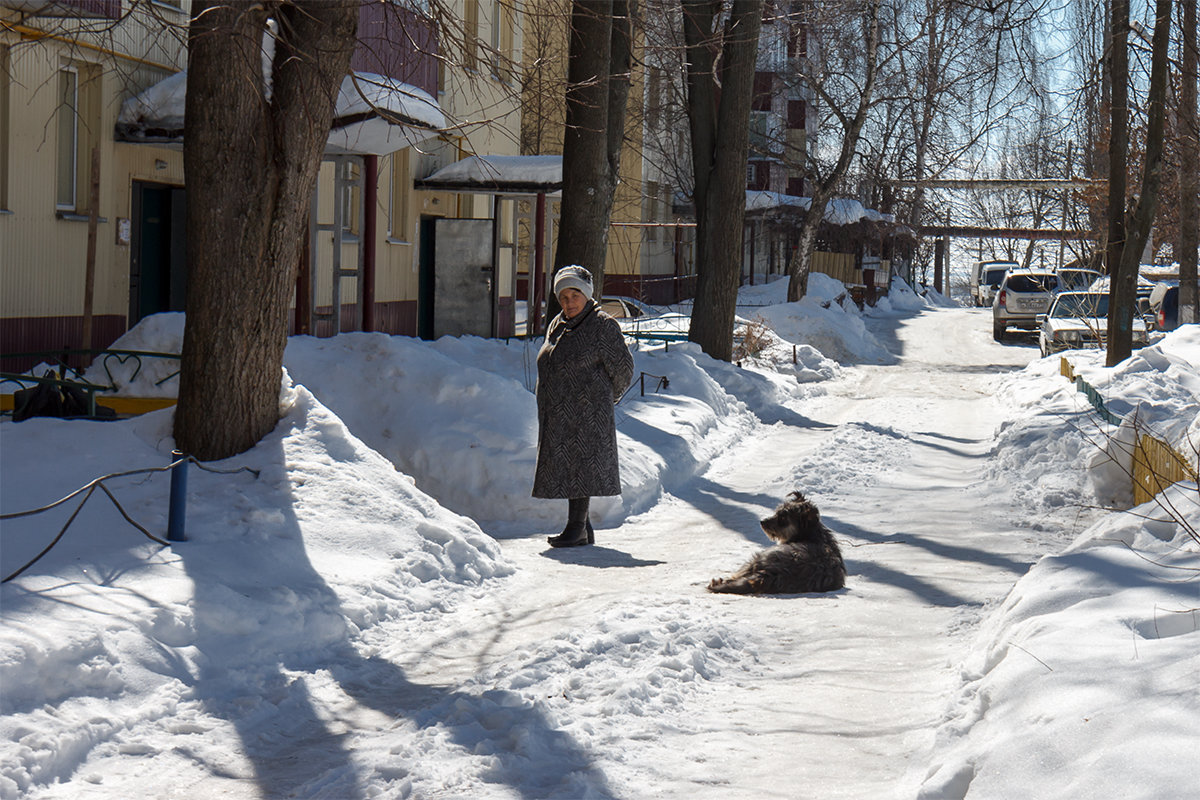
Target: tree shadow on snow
[
  {"x": 267, "y": 637},
  {"x": 730, "y": 509},
  {"x": 879, "y": 571}
]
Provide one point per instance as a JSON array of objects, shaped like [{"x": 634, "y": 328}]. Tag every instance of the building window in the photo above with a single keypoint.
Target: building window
[
  {"x": 758, "y": 175},
  {"x": 470, "y": 33},
  {"x": 502, "y": 41},
  {"x": 349, "y": 197},
  {"x": 68, "y": 139},
  {"x": 795, "y": 187},
  {"x": 77, "y": 124},
  {"x": 401, "y": 193},
  {"x": 797, "y": 114},
  {"x": 797, "y": 31},
  {"x": 654, "y": 102},
  {"x": 762, "y": 91}
]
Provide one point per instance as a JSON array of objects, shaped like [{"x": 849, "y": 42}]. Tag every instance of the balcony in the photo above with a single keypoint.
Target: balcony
[
  {"x": 397, "y": 43},
  {"x": 80, "y": 9}
]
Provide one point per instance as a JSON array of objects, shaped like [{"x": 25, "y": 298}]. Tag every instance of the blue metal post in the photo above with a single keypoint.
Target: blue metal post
[{"x": 178, "y": 507}]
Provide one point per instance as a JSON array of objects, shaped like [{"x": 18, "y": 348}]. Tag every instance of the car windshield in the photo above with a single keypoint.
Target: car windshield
[
  {"x": 1032, "y": 283},
  {"x": 1090, "y": 304},
  {"x": 994, "y": 275},
  {"x": 1076, "y": 278}
]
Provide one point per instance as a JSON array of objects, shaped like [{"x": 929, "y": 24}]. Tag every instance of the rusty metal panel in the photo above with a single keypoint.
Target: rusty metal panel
[{"x": 399, "y": 43}]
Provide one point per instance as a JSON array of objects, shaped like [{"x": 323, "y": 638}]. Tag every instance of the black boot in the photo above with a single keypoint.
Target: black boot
[{"x": 579, "y": 528}]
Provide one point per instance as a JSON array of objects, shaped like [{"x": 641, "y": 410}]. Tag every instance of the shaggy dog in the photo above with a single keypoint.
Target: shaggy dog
[{"x": 805, "y": 559}]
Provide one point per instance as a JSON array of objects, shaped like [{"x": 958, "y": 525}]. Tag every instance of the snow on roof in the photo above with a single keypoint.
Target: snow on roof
[
  {"x": 499, "y": 173},
  {"x": 838, "y": 211},
  {"x": 376, "y": 114},
  {"x": 373, "y": 114},
  {"x": 155, "y": 115}
]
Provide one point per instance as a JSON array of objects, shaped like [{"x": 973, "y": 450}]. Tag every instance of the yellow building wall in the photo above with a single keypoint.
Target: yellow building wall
[{"x": 43, "y": 251}]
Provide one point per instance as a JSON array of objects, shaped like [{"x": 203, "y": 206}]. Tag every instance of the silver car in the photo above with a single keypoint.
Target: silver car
[
  {"x": 1079, "y": 320},
  {"x": 1023, "y": 296}
]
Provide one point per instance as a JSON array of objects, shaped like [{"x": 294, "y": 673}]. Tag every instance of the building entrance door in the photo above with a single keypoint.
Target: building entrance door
[{"x": 158, "y": 256}]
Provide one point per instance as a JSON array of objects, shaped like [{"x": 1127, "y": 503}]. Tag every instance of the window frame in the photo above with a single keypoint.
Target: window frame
[{"x": 61, "y": 171}]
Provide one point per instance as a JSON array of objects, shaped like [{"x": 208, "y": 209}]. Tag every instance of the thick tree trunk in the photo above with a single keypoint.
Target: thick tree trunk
[
  {"x": 1121, "y": 288},
  {"x": 597, "y": 90},
  {"x": 1122, "y": 297},
  {"x": 1189, "y": 171},
  {"x": 719, "y": 117},
  {"x": 251, "y": 160}
]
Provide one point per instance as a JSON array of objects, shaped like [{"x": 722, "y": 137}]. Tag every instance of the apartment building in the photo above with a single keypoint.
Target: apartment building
[{"x": 93, "y": 192}]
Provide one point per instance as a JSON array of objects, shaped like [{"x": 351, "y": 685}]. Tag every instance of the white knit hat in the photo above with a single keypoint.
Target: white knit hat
[{"x": 573, "y": 277}]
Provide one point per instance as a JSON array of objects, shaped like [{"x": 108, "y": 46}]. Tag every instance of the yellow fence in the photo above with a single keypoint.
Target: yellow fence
[
  {"x": 837, "y": 265},
  {"x": 1156, "y": 465}
]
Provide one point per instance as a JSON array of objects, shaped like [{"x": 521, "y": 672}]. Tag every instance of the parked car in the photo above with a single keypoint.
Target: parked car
[
  {"x": 1075, "y": 279},
  {"x": 1164, "y": 306},
  {"x": 1078, "y": 321},
  {"x": 985, "y": 277},
  {"x": 1143, "y": 289},
  {"x": 1022, "y": 297},
  {"x": 619, "y": 307}
]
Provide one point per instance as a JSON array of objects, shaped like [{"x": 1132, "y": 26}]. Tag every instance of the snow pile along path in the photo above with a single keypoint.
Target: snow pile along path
[{"x": 122, "y": 662}]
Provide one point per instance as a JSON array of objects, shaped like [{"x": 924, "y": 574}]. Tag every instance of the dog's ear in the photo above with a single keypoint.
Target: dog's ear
[
  {"x": 809, "y": 515},
  {"x": 796, "y": 497}
]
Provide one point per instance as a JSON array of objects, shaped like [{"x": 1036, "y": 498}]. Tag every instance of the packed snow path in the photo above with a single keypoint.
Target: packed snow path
[{"x": 803, "y": 696}]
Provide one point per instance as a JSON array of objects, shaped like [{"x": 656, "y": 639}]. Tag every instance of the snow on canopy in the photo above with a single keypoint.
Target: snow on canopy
[
  {"x": 373, "y": 114},
  {"x": 838, "y": 211},
  {"x": 511, "y": 173}
]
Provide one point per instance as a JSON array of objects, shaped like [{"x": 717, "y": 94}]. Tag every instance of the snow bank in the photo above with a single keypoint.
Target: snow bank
[
  {"x": 1054, "y": 431},
  {"x": 825, "y": 319},
  {"x": 293, "y": 566},
  {"x": 1083, "y": 683}
]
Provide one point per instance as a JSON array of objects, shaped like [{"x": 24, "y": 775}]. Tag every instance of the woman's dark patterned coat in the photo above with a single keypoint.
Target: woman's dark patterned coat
[{"x": 584, "y": 368}]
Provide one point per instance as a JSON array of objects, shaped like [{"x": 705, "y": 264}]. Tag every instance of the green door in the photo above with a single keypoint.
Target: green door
[{"x": 157, "y": 263}]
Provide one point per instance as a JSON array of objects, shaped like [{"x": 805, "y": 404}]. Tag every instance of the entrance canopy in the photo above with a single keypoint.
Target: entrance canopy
[
  {"x": 500, "y": 175},
  {"x": 374, "y": 115}
]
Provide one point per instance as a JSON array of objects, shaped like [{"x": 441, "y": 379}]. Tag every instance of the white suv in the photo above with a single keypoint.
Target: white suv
[{"x": 1023, "y": 295}]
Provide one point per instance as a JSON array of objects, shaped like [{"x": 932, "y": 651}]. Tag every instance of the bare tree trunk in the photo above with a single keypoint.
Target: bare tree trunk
[
  {"x": 1189, "y": 171},
  {"x": 1122, "y": 297},
  {"x": 597, "y": 90},
  {"x": 1121, "y": 288},
  {"x": 251, "y": 160},
  {"x": 719, "y": 118},
  {"x": 823, "y": 189}
]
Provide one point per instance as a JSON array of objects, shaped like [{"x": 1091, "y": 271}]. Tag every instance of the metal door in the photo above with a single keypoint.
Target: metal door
[{"x": 464, "y": 270}]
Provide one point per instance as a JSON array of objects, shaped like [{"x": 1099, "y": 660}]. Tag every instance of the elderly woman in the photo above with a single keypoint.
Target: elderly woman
[{"x": 584, "y": 367}]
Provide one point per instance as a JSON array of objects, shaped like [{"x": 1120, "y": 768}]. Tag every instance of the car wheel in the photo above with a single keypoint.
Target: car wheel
[{"x": 998, "y": 331}]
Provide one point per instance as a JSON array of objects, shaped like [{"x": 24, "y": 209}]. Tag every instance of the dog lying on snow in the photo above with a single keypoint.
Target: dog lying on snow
[{"x": 805, "y": 557}]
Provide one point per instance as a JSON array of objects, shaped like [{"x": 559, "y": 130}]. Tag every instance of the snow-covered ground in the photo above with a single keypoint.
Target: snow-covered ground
[{"x": 374, "y": 613}]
